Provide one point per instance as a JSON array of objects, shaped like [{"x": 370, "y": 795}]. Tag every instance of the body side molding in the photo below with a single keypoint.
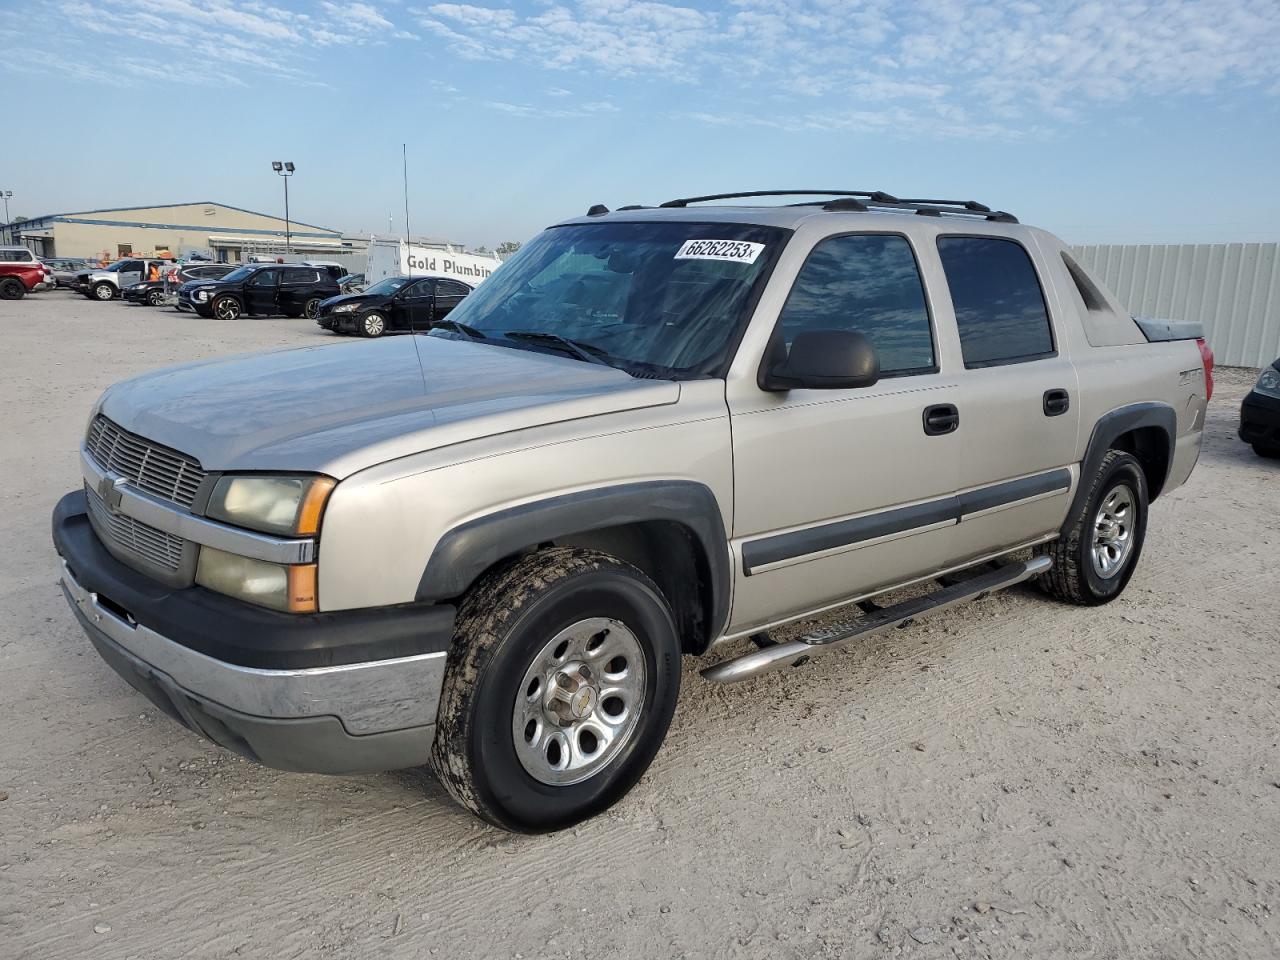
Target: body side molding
[{"x": 466, "y": 551}]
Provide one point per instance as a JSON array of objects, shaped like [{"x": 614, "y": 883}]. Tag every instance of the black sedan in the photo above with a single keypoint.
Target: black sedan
[
  {"x": 1260, "y": 413},
  {"x": 396, "y": 303}
]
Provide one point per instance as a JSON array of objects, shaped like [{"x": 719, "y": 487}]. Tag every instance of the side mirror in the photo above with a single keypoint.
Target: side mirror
[{"x": 825, "y": 360}]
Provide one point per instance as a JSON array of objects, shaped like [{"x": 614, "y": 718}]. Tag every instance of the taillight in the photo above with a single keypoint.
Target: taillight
[{"x": 1206, "y": 357}]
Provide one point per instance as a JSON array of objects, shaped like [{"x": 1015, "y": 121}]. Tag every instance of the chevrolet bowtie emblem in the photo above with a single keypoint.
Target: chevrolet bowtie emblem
[{"x": 110, "y": 490}]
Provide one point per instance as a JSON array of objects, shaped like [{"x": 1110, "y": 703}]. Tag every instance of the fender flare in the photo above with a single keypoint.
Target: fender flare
[
  {"x": 463, "y": 553},
  {"x": 1110, "y": 426}
]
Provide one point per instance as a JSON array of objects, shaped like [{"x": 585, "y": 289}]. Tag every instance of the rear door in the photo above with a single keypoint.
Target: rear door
[
  {"x": 449, "y": 294},
  {"x": 842, "y": 492},
  {"x": 418, "y": 305},
  {"x": 1019, "y": 414},
  {"x": 296, "y": 284},
  {"x": 261, "y": 290}
]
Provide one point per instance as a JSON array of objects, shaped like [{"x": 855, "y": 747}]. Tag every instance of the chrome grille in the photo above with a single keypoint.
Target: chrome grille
[
  {"x": 155, "y": 546},
  {"x": 158, "y": 470}
]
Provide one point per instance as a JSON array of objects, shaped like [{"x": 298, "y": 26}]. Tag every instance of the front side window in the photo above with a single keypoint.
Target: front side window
[
  {"x": 868, "y": 283},
  {"x": 265, "y": 278},
  {"x": 655, "y": 299},
  {"x": 1000, "y": 309},
  {"x": 16, "y": 256}
]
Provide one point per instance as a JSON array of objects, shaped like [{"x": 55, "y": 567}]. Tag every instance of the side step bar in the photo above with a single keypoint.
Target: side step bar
[{"x": 888, "y": 618}]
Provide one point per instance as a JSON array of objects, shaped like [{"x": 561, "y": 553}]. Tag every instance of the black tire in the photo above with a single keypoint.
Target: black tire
[
  {"x": 1262, "y": 450},
  {"x": 155, "y": 298},
  {"x": 103, "y": 291},
  {"x": 503, "y": 624},
  {"x": 11, "y": 288},
  {"x": 311, "y": 309},
  {"x": 372, "y": 324},
  {"x": 1074, "y": 576},
  {"x": 226, "y": 308}
]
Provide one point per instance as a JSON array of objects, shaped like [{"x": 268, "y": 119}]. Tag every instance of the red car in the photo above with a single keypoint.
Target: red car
[{"x": 19, "y": 272}]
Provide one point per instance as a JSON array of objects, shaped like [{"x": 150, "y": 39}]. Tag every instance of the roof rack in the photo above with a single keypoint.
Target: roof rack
[{"x": 859, "y": 201}]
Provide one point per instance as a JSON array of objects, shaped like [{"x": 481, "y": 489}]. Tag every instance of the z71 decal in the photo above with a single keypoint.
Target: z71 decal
[{"x": 737, "y": 251}]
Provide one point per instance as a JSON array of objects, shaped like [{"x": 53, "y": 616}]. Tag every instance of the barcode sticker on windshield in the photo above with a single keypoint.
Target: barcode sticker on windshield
[{"x": 738, "y": 251}]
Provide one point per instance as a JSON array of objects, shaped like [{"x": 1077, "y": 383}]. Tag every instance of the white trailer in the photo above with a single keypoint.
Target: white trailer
[{"x": 397, "y": 258}]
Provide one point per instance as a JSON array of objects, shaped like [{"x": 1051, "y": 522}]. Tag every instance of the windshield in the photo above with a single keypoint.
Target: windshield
[
  {"x": 664, "y": 299},
  {"x": 384, "y": 288},
  {"x": 115, "y": 267},
  {"x": 238, "y": 274}
]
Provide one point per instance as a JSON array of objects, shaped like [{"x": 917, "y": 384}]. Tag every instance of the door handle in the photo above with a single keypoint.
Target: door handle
[
  {"x": 1056, "y": 402},
  {"x": 941, "y": 418}
]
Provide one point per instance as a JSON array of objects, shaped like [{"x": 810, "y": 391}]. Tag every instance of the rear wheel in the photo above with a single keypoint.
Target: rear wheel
[
  {"x": 373, "y": 324},
  {"x": 1095, "y": 557},
  {"x": 103, "y": 291},
  {"x": 11, "y": 288},
  {"x": 560, "y": 688},
  {"x": 227, "y": 308}
]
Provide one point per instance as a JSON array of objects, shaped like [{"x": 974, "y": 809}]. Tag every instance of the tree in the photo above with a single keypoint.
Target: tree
[
  {"x": 480, "y": 250},
  {"x": 507, "y": 248}
]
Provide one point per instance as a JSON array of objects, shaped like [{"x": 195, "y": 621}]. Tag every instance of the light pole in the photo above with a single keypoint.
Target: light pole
[
  {"x": 6, "y": 194},
  {"x": 285, "y": 170}
]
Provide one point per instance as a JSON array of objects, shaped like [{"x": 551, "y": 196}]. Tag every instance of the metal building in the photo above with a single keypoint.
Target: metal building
[
  {"x": 215, "y": 229},
  {"x": 1233, "y": 289}
]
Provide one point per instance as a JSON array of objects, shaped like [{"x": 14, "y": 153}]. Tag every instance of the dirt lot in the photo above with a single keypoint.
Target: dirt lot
[{"x": 1013, "y": 779}]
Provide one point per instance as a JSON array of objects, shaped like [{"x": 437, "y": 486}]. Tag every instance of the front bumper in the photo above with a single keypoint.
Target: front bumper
[
  {"x": 350, "y": 715},
  {"x": 1260, "y": 419}
]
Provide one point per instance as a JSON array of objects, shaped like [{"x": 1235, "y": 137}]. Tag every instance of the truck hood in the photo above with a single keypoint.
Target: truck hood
[{"x": 336, "y": 409}]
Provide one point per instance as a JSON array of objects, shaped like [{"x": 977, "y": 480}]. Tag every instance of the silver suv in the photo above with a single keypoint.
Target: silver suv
[{"x": 652, "y": 433}]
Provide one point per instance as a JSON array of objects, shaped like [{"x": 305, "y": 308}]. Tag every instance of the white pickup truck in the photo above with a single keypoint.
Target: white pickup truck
[{"x": 652, "y": 433}]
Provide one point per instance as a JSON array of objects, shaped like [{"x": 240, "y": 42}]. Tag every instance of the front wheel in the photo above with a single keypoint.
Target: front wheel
[
  {"x": 103, "y": 291},
  {"x": 1099, "y": 549},
  {"x": 373, "y": 325},
  {"x": 560, "y": 688},
  {"x": 12, "y": 289},
  {"x": 155, "y": 298},
  {"x": 227, "y": 308},
  {"x": 311, "y": 309}
]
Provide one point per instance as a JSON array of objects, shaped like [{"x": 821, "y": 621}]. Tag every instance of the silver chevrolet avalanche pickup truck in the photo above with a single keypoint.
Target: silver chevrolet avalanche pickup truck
[{"x": 652, "y": 432}]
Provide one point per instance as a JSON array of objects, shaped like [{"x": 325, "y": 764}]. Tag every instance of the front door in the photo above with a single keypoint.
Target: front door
[
  {"x": 842, "y": 492},
  {"x": 260, "y": 291},
  {"x": 1020, "y": 416},
  {"x": 419, "y": 305},
  {"x": 129, "y": 273}
]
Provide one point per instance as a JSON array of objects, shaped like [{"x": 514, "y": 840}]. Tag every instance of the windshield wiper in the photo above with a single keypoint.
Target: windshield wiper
[
  {"x": 583, "y": 351},
  {"x": 462, "y": 328}
]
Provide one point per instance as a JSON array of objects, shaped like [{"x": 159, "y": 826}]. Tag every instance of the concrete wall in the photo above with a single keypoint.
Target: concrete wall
[{"x": 1233, "y": 289}]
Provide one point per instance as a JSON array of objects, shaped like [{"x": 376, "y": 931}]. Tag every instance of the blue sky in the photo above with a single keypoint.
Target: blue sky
[{"x": 1122, "y": 121}]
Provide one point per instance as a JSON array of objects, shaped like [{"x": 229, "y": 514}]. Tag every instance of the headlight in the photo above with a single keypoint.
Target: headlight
[
  {"x": 346, "y": 308},
  {"x": 1269, "y": 382},
  {"x": 290, "y": 506},
  {"x": 202, "y": 295},
  {"x": 289, "y": 589}
]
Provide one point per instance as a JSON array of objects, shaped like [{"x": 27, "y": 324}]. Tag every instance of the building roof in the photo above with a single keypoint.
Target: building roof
[{"x": 162, "y": 206}]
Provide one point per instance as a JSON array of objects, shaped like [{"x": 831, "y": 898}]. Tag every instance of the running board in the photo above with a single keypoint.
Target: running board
[{"x": 801, "y": 651}]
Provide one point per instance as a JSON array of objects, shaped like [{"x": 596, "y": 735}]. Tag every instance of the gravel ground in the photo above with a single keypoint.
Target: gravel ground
[{"x": 1014, "y": 778}]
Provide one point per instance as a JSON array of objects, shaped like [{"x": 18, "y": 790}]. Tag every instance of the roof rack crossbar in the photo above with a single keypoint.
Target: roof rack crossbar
[{"x": 861, "y": 200}]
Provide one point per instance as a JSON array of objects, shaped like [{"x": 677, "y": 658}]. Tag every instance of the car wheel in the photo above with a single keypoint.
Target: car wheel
[
  {"x": 311, "y": 309},
  {"x": 12, "y": 289},
  {"x": 155, "y": 298},
  {"x": 1096, "y": 556},
  {"x": 1263, "y": 450},
  {"x": 103, "y": 291},
  {"x": 227, "y": 308},
  {"x": 373, "y": 325},
  {"x": 560, "y": 687}
]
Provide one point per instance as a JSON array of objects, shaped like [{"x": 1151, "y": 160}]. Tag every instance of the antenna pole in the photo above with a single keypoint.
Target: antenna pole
[{"x": 404, "y": 149}]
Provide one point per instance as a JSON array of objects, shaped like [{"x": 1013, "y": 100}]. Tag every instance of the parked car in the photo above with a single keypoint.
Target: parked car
[
  {"x": 260, "y": 290},
  {"x": 1260, "y": 414},
  {"x": 397, "y": 303},
  {"x": 20, "y": 273},
  {"x": 649, "y": 433},
  {"x": 153, "y": 293},
  {"x": 108, "y": 282},
  {"x": 65, "y": 269}
]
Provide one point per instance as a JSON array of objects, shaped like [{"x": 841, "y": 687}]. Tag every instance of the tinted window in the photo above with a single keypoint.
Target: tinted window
[
  {"x": 870, "y": 284},
  {"x": 452, "y": 288},
  {"x": 419, "y": 290},
  {"x": 16, "y": 256},
  {"x": 298, "y": 277},
  {"x": 999, "y": 307},
  {"x": 264, "y": 278}
]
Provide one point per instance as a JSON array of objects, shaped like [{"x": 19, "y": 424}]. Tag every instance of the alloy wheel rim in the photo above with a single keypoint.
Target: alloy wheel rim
[
  {"x": 580, "y": 701},
  {"x": 373, "y": 324},
  {"x": 227, "y": 310},
  {"x": 311, "y": 308},
  {"x": 1113, "y": 532},
  {"x": 104, "y": 292}
]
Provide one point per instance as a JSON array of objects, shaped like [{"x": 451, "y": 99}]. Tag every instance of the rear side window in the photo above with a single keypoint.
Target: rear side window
[
  {"x": 451, "y": 288},
  {"x": 299, "y": 277},
  {"x": 999, "y": 306},
  {"x": 869, "y": 283}
]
